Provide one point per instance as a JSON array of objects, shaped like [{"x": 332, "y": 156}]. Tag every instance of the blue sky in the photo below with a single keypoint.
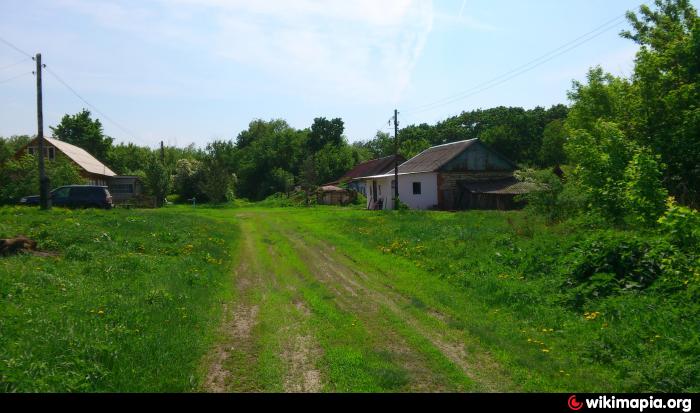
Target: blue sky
[{"x": 190, "y": 71}]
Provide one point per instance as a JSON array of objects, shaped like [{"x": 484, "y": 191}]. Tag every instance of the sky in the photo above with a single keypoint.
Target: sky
[{"x": 191, "y": 71}]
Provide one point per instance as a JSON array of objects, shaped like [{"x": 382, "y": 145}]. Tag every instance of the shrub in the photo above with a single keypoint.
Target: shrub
[
  {"x": 681, "y": 224},
  {"x": 644, "y": 192}
]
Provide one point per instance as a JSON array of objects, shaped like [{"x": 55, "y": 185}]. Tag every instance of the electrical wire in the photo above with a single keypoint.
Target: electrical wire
[
  {"x": 15, "y": 47},
  {"x": 93, "y": 107},
  {"x": 15, "y": 77},
  {"x": 14, "y": 64},
  {"x": 522, "y": 69}
]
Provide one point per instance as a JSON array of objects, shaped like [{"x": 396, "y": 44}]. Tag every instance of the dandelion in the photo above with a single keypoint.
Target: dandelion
[
  {"x": 100, "y": 312},
  {"x": 545, "y": 350}
]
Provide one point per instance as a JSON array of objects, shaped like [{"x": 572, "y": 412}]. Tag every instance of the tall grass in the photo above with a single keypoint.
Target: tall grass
[
  {"x": 511, "y": 276},
  {"x": 131, "y": 302}
]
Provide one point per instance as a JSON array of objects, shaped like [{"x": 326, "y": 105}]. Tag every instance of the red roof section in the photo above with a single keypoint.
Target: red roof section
[{"x": 373, "y": 167}]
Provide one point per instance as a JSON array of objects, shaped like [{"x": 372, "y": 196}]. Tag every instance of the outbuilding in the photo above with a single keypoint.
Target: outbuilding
[{"x": 459, "y": 175}]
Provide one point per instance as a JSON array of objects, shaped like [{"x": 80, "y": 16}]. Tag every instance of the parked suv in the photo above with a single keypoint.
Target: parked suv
[{"x": 75, "y": 196}]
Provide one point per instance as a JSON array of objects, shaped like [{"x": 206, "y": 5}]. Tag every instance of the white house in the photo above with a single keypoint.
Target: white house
[{"x": 458, "y": 175}]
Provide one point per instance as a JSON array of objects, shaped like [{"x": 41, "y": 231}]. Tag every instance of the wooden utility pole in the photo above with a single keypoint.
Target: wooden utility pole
[
  {"x": 396, "y": 159},
  {"x": 44, "y": 199},
  {"x": 162, "y": 153}
]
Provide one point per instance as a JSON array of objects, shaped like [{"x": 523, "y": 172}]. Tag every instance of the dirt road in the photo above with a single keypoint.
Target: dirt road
[{"x": 307, "y": 317}]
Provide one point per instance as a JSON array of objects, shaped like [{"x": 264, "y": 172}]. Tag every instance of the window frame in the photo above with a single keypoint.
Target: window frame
[{"x": 417, "y": 185}]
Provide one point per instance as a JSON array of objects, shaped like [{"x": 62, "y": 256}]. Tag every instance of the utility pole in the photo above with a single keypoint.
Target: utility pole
[
  {"x": 396, "y": 159},
  {"x": 162, "y": 153},
  {"x": 44, "y": 200}
]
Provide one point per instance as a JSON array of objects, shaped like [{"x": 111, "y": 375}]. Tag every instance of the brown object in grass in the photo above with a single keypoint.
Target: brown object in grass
[{"x": 14, "y": 245}]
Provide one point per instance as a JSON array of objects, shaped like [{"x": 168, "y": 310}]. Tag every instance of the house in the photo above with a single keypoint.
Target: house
[
  {"x": 334, "y": 195},
  {"x": 459, "y": 175},
  {"x": 95, "y": 172},
  {"x": 372, "y": 167},
  {"x": 124, "y": 188}
]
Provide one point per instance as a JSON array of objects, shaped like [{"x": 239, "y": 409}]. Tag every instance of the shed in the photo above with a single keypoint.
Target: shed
[{"x": 334, "y": 195}]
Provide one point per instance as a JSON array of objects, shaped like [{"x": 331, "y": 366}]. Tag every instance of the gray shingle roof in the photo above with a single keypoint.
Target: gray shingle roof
[{"x": 433, "y": 158}]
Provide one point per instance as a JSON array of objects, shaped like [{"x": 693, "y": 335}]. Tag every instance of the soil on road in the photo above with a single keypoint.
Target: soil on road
[{"x": 306, "y": 317}]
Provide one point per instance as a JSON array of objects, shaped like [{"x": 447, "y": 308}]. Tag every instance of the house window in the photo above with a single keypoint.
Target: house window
[
  {"x": 122, "y": 189},
  {"x": 416, "y": 188},
  {"x": 49, "y": 151},
  {"x": 393, "y": 184}
]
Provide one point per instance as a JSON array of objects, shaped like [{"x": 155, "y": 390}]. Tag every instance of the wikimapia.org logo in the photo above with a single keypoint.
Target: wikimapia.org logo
[{"x": 603, "y": 402}]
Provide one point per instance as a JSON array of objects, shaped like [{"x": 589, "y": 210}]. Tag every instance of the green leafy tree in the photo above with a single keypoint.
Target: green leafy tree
[
  {"x": 20, "y": 177},
  {"x": 218, "y": 178},
  {"x": 10, "y": 146},
  {"x": 332, "y": 162},
  {"x": 553, "y": 139},
  {"x": 667, "y": 75},
  {"x": 82, "y": 131},
  {"x": 187, "y": 179},
  {"x": 157, "y": 179},
  {"x": 645, "y": 194},
  {"x": 126, "y": 159},
  {"x": 601, "y": 158},
  {"x": 325, "y": 132}
]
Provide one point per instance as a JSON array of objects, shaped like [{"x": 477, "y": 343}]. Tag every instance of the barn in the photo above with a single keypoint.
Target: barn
[
  {"x": 459, "y": 175},
  {"x": 122, "y": 188}
]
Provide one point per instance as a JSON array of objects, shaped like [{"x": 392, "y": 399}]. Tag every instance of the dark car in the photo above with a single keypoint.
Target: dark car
[{"x": 75, "y": 196}]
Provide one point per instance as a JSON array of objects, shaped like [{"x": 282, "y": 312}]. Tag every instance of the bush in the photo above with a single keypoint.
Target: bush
[
  {"x": 682, "y": 225},
  {"x": 644, "y": 192},
  {"x": 610, "y": 263},
  {"x": 21, "y": 177}
]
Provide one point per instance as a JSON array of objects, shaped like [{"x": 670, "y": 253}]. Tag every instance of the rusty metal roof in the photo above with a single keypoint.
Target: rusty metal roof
[{"x": 373, "y": 167}]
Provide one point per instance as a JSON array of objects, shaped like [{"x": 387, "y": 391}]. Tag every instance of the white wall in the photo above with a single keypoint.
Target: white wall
[
  {"x": 428, "y": 195},
  {"x": 426, "y": 199}
]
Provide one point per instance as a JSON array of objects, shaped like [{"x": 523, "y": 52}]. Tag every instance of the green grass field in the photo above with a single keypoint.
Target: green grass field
[
  {"x": 130, "y": 303},
  {"x": 325, "y": 299}
]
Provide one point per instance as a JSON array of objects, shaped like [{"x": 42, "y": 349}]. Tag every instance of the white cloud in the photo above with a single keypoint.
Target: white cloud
[{"x": 363, "y": 50}]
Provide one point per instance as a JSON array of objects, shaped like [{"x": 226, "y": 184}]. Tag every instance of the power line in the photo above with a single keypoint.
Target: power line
[
  {"x": 15, "y": 47},
  {"x": 15, "y": 77},
  {"x": 64, "y": 83},
  {"x": 14, "y": 64},
  {"x": 98, "y": 111},
  {"x": 552, "y": 54}
]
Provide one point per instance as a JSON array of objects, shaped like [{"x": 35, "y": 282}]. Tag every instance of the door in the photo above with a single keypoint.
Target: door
[{"x": 59, "y": 196}]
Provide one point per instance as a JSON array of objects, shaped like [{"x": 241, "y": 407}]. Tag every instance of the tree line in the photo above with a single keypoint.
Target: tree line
[{"x": 626, "y": 143}]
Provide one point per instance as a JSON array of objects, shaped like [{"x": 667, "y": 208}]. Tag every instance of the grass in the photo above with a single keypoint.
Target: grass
[
  {"x": 501, "y": 278},
  {"x": 131, "y": 303}
]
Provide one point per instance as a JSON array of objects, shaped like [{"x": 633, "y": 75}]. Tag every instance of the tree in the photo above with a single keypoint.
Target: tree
[
  {"x": 157, "y": 179},
  {"x": 552, "y": 149},
  {"x": 218, "y": 178},
  {"x": 325, "y": 132},
  {"x": 188, "y": 178},
  {"x": 20, "y": 177},
  {"x": 127, "y": 159},
  {"x": 10, "y": 146},
  {"x": 645, "y": 194},
  {"x": 80, "y": 130},
  {"x": 667, "y": 75},
  {"x": 601, "y": 157}
]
